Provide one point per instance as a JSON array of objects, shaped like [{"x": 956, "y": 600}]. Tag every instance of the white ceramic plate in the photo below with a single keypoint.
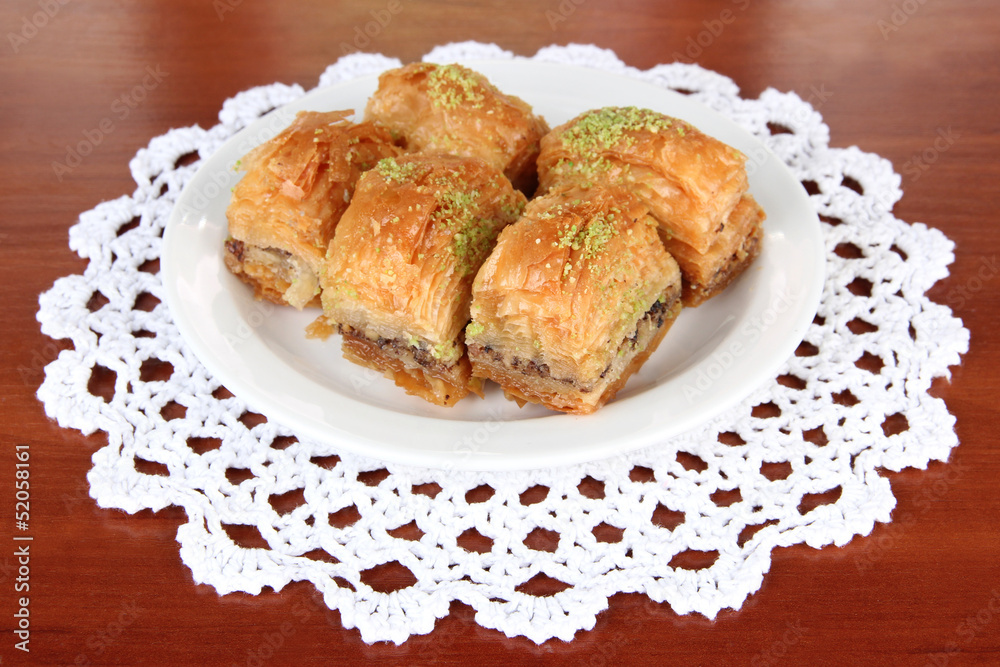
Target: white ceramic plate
[{"x": 713, "y": 357}]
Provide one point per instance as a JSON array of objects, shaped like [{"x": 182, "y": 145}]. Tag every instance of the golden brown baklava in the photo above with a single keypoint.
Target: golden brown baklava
[
  {"x": 573, "y": 299},
  {"x": 453, "y": 109},
  {"x": 285, "y": 208},
  {"x": 694, "y": 185},
  {"x": 398, "y": 274}
]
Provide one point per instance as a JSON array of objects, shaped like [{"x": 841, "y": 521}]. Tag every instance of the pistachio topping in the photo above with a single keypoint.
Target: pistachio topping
[
  {"x": 454, "y": 203},
  {"x": 461, "y": 211},
  {"x": 474, "y": 241},
  {"x": 394, "y": 172},
  {"x": 452, "y": 86},
  {"x": 595, "y": 170},
  {"x": 472, "y": 247},
  {"x": 459, "y": 208},
  {"x": 605, "y": 128},
  {"x": 592, "y": 237}
]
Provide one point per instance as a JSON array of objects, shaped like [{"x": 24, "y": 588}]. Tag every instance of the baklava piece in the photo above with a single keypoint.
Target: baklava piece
[
  {"x": 453, "y": 109},
  {"x": 694, "y": 185},
  {"x": 398, "y": 274},
  {"x": 574, "y": 298},
  {"x": 285, "y": 208}
]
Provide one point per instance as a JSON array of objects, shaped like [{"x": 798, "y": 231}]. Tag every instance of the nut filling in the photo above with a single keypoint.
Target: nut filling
[
  {"x": 274, "y": 273},
  {"x": 406, "y": 351},
  {"x": 664, "y": 309}
]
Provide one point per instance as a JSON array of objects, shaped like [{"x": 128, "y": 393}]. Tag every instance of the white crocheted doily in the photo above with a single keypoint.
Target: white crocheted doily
[{"x": 691, "y": 522}]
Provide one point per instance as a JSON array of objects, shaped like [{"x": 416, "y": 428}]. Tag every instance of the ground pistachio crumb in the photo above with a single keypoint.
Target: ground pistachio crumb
[
  {"x": 394, "y": 172},
  {"x": 453, "y": 86},
  {"x": 604, "y": 128}
]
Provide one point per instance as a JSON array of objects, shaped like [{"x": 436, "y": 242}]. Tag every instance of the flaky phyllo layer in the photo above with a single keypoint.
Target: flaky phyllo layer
[
  {"x": 398, "y": 274},
  {"x": 453, "y": 109},
  {"x": 694, "y": 185},
  {"x": 284, "y": 210},
  {"x": 573, "y": 298}
]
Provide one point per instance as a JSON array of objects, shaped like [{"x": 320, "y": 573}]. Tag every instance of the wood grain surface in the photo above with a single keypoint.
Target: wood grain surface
[{"x": 889, "y": 77}]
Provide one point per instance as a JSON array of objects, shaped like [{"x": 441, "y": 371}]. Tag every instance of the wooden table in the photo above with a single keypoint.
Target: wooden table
[{"x": 891, "y": 78}]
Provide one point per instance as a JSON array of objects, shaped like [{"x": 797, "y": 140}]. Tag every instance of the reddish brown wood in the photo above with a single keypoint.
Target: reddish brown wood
[{"x": 109, "y": 588}]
